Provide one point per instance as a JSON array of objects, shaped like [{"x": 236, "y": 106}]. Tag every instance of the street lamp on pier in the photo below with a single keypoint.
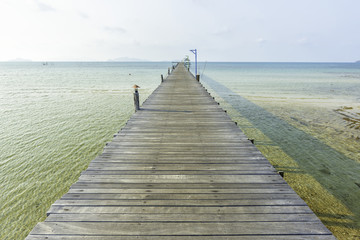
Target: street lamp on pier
[{"x": 194, "y": 51}]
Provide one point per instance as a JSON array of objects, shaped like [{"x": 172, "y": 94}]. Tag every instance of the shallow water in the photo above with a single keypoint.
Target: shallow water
[
  {"x": 299, "y": 116},
  {"x": 55, "y": 119}
]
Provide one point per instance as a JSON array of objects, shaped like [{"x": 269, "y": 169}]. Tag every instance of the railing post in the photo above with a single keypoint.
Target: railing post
[
  {"x": 136, "y": 98},
  {"x": 168, "y": 71},
  {"x": 162, "y": 78},
  {"x": 198, "y": 77}
]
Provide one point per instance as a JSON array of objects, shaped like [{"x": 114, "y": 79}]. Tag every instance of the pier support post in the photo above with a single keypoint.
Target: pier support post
[
  {"x": 168, "y": 71},
  {"x": 198, "y": 77},
  {"x": 162, "y": 78},
  {"x": 136, "y": 98}
]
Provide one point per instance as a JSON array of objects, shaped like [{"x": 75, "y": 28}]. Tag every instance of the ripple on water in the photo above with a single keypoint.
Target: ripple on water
[{"x": 52, "y": 127}]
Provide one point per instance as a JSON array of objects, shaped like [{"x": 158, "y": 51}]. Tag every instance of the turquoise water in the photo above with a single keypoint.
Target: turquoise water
[
  {"x": 56, "y": 118},
  {"x": 329, "y": 80}
]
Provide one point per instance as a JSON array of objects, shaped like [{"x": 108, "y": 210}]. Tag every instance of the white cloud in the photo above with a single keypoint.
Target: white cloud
[
  {"x": 222, "y": 31},
  {"x": 303, "y": 40},
  {"x": 260, "y": 40},
  {"x": 44, "y": 7},
  {"x": 83, "y": 15},
  {"x": 115, "y": 29}
]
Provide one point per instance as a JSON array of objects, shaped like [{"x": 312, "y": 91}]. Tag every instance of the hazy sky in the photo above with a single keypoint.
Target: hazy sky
[{"x": 165, "y": 30}]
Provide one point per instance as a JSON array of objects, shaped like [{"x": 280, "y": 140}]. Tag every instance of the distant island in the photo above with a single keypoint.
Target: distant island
[
  {"x": 20, "y": 60},
  {"x": 126, "y": 59}
]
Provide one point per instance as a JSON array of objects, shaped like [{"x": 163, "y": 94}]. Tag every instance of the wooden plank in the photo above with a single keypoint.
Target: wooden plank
[
  {"x": 169, "y": 160},
  {"x": 181, "y": 202},
  {"x": 176, "y": 150},
  {"x": 80, "y": 185},
  {"x": 181, "y": 217},
  {"x": 178, "y": 229},
  {"x": 227, "y": 237},
  {"x": 57, "y": 209},
  {"x": 161, "y": 157},
  {"x": 181, "y": 178},
  {"x": 171, "y": 172},
  {"x": 240, "y": 156},
  {"x": 177, "y": 196},
  {"x": 182, "y": 166},
  {"x": 184, "y": 191}
]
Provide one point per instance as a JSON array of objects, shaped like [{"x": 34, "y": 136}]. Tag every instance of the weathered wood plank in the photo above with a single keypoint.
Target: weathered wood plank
[
  {"x": 159, "y": 158},
  {"x": 177, "y": 196},
  {"x": 181, "y": 158},
  {"x": 226, "y": 237},
  {"x": 170, "y": 160},
  {"x": 181, "y": 178},
  {"x": 178, "y": 229},
  {"x": 182, "y": 217},
  {"x": 178, "y": 172},
  {"x": 56, "y": 209},
  {"x": 181, "y": 166},
  {"x": 181, "y": 202},
  {"x": 80, "y": 185},
  {"x": 185, "y": 191}
]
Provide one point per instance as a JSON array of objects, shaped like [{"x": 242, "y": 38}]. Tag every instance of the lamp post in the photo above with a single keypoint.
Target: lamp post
[{"x": 194, "y": 51}]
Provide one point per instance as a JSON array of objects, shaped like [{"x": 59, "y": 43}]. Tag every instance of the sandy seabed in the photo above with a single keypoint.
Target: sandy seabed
[{"x": 329, "y": 184}]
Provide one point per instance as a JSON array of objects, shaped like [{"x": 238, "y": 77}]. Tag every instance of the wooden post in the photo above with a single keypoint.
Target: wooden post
[
  {"x": 162, "y": 78},
  {"x": 136, "y": 98},
  {"x": 168, "y": 71},
  {"x": 198, "y": 77}
]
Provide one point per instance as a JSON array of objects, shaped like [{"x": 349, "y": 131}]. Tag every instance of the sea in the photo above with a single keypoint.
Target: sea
[{"x": 56, "y": 117}]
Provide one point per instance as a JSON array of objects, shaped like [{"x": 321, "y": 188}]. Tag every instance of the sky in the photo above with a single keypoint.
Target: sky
[{"x": 165, "y": 30}]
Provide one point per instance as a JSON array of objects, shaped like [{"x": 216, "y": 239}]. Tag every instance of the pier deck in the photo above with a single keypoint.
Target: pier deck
[{"x": 179, "y": 170}]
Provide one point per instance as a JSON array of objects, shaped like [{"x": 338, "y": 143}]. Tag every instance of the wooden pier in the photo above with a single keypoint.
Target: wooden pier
[{"x": 179, "y": 170}]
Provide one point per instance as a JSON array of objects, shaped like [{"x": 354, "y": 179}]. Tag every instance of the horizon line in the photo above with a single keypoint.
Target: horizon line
[{"x": 144, "y": 61}]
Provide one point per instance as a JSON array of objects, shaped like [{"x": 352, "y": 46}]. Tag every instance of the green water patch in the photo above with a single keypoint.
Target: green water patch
[
  {"x": 352, "y": 118},
  {"x": 44, "y": 148},
  {"x": 336, "y": 173}
]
